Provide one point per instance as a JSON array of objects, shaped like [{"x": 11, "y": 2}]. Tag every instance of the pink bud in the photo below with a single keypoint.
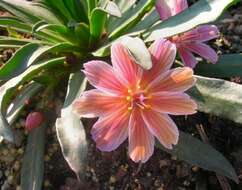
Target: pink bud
[{"x": 33, "y": 120}]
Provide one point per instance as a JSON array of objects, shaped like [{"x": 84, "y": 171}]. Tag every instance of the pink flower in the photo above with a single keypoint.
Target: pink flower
[
  {"x": 192, "y": 41},
  {"x": 33, "y": 120},
  {"x": 134, "y": 103}
]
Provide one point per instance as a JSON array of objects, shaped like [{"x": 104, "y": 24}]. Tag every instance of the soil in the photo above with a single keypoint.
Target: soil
[{"x": 115, "y": 171}]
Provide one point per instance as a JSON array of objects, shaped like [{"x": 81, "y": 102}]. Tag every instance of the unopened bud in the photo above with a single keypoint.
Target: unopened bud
[{"x": 33, "y": 120}]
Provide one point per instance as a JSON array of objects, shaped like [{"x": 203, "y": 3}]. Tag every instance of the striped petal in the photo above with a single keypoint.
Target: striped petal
[
  {"x": 187, "y": 57},
  {"x": 102, "y": 76},
  {"x": 111, "y": 130},
  {"x": 165, "y": 8},
  {"x": 141, "y": 141},
  {"x": 201, "y": 34},
  {"x": 162, "y": 127},
  {"x": 204, "y": 51},
  {"x": 172, "y": 103},
  {"x": 94, "y": 103},
  {"x": 181, "y": 5},
  {"x": 124, "y": 66},
  {"x": 175, "y": 80},
  {"x": 163, "y": 54}
]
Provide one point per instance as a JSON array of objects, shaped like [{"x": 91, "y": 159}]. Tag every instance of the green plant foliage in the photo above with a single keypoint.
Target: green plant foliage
[
  {"x": 53, "y": 38},
  {"x": 227, "y": 66},
  {"x": 73, "y": 139},
  {"x": 202, "y": 12},
  {"x": 197, "y": 153},
  {"x": 32, "y": 170},
  {"x": 211, "y": 93}
]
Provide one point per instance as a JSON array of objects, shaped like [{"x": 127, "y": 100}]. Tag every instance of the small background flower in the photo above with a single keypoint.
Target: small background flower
[{"x": 192, "y": 41}]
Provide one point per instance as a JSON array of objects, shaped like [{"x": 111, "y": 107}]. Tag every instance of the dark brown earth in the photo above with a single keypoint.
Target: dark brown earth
[{"x": 115, "y": 171}]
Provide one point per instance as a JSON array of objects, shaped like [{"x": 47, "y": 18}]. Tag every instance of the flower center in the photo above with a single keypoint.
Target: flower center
[{"x": 139, "y": 99}]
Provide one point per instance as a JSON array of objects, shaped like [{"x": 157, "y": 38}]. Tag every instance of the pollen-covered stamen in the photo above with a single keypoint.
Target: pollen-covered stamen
[{"x": 138, "y": 99}]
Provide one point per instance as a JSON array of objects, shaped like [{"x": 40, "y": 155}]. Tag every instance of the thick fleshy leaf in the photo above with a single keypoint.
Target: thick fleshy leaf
[
  {"x": 201, "y": 154},
  {"x": 61, "y": 7},
  {"x": 29, "y": 11},
  {"x": 91, "y": 4},
  {"x": 202, "y": 12},
  {"x": 22, "y": 59},
  {"x": 124, "y": 5},
  {"x": 138, "y": 51},
  {"x": 8, "y": 89},
  {"x": 97, "y": 23},
  {"x": 26, "y": 56},
  {"x": 77, "y": 10},
  {"x": 32, "y": 171},
  {"x": 218, "y": 97},
  {"x": 18, "y": 103},
  {"x": 70, "y": 130},
  {"x": 8, "y": 42},
  {"x": 227, "y": 66},
  {"x": 129, "y": 20},
  {"x": 15, "y": 23},
  {"x": 150, "y": 19},
  {"x": 112, "y": 9}
]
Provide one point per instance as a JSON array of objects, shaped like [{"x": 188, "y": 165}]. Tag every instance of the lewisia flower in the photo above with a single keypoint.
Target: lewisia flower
[
  {"x": 134, "y": 103},
  {"x": 191, "y": 41}
]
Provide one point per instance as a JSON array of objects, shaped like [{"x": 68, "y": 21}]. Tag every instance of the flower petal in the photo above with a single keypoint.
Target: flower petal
[
  {"x": 181, "y": 5},
  {"x": 187, "y": 57},
  {"x": 94, "y": 103},
  {"x": 165, "y": 8},
  {"x": 175, "y": 80},
  {"x": 111, "y": 130},
  {"x": 141, "y": 141},
  {"x": 201, "y": 34},
  {"x": 204, "y": 51},
  {"x": 162, "y": 127},
  {"x": 173, "y": 103},
  {"x": 124, "y": 66},
  {"x": 170, "y": 8},
  {"x": 101, "y": 75},
  {"x": 163, "y": 54}
]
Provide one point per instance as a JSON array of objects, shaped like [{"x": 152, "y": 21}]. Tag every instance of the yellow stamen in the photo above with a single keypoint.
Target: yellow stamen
[
  {"x": 128, "y": 98},
  {"x": 139, "y": 87},
  {"x": 130, "y": 108},
  {"x": 129, "y": 91}
]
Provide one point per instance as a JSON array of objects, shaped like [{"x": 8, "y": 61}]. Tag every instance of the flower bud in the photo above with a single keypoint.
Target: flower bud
[{"x": 33, "y": 120}]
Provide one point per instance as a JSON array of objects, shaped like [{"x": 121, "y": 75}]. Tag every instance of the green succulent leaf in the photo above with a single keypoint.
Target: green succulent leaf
[
  {"x": 138, "y": 51},
  {"x": 201, "y": 154},
  {"x": 124, "y": 5},
  {"x": 202, "y": 12},
  {"x": 61, "y": 7},
  {"x": 32, "y": 170},
  {"x": 149, "y": 20},
  {"x": 8, "y": 90},
  {"x": 15, "y": 23},
  {"x": 111, "y": 8},
  {"x": 218, "y": 97},
  {"x": 82, "y": 32},
  {"x": 97, "y": 23},
  {"x": 91, "y": 4},
  {"x": 20, "y": 101},
  {"x": 227, "y": 66},
  {"x": 29, "y": 11},
  {"x": 21, "y": 60},
  {"x": 8, "y": 42},
  {"x": 72, "y": 138},
  {"x": 77, "y": 10},
  {"x": 130, "y": 18},
  {"x": 28, "y": 55}
]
